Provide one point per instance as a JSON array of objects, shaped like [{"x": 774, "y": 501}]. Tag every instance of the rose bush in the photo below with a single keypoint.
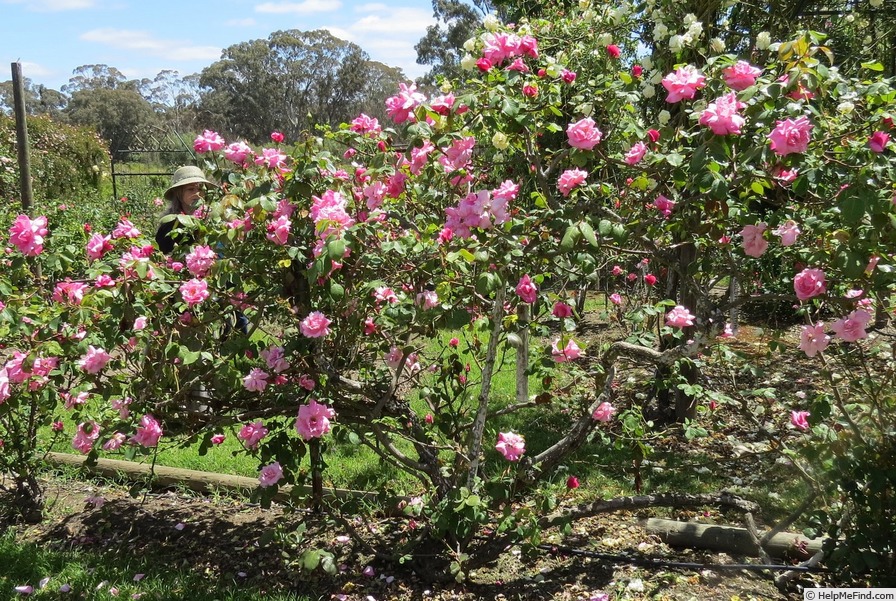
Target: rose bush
[{"x": 551, "y": 169}]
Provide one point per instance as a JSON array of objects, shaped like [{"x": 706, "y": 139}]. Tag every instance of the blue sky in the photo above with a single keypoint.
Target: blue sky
[{"x": 51, "y": 38}]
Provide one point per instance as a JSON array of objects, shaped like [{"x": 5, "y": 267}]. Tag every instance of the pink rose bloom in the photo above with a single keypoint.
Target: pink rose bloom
[
  {"x": 271, "y": 158},
  {"x": 114, "y": 443},
  {"x": 5, "y": 392},
  {"x": 313, "y": 420},
  {"x": 604, "y": 412},
  {"x": 754, "y": 244},
  {"x": 568, "y": 76},
  {"x": 613, "y": 51},
  {"x": 869, "y": 269},
  {"x": 635, "y": 153},
  {"x": 87, "y": 434},
  {"x": 788, "y": 231},
  {"x": 878, "y": 141},
  {"x": 401, "y": 106},
  {"x": 785, "y": 176},
  {"x": 809, "y": 283},
  {"x": 741, "y": 75},
  {"x": 277, "y": 137},
  {"x": 256, "y": 381},
  {"x": 315, "y": 325},
  {"x": 274, "y": 358},
  {"x": 251, "y": 434},
  {"x": 561, "y": 310},
  {"x": 679, "y": 317},
  {"x": 94, "y": 360},
  {"x": 28, "y": 234},
  {"x": 510, "y": 445},
  {"x": 617, "y": 270},
  {"x": 791, "y": 135},
  {"x": 270, "y": 475},
  {"x": 428, "y": 299},
  {"x": 217, "y": 439},
  {"x": 194, "y": 292},
  {"x": 140, "y": 323},
  {"x": 199, "y": 260},
  {"x": 125, "y": 229},
  {"x": 583, "y": 134},
  {"x": 527, "y": 290},
  {"x": 813, "y": 340},
  {"x": 664, "y": 205},
  {"x": 209, "y": 141},
  {"x": 363, "y": 124},
  {"x": 69, "y": 292},
  {"x": 148, "y": 432},
  {"x": 615, "y": 298},
  {"x": 852, "y": 327},
  {"x": 570, "y": 179},
  {"x": 278, "y": 231},
  {"x": 570, "y": 352},
  {"x": 237, "y": 152},
  {"x": 722, "y": 115},
  {"x": 798, "y": 419},
  {"x": 683, "y": 83},
  {"x": 97, "y": 246}
]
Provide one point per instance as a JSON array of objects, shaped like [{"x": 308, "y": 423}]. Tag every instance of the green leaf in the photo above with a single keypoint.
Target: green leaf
[
  {"x": 757, "y": 188},
  {"x": 674, "y": 159},
  {"x": 570, "y": 237},
  {"x": 875, "y": 66},
  {"x": 310, "y": 559},
  {"x": 336, "y": 249},
  {"x": 588, "y": 234},
  {"x": 605, "y": 227},
  {"x": 337, "y": 291}
]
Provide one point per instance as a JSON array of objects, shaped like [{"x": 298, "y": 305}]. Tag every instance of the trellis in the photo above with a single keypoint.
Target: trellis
[{"x": 145, "y": 141}]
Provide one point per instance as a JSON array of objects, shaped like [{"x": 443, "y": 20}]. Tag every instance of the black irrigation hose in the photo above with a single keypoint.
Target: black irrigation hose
[{"x": 660, "y": 563}]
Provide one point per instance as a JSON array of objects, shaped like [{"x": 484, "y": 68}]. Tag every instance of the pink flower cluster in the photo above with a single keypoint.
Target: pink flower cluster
[
  {"x": 481, "y": 210},
  {"x": 401, "y": 106},
  {"x": 501, "y": 46},
  {"x": 209, "y": 141},
  {"x": 683, "y": 83},
  {"x": 584, "y": 134},
  {"x": 200, "y": 260},
  {"x": 722, "y": 116}
]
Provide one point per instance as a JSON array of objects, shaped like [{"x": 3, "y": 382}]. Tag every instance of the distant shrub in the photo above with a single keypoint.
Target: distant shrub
[{"x": 66, "y": 161}]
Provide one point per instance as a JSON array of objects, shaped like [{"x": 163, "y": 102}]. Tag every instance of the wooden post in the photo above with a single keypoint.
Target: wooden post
[
  {"x": 522, "y": 354},
  {"x": 22, "y": 146}
]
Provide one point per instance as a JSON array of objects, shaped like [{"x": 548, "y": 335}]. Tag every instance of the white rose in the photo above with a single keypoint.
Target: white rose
[
  {"x": 717, "y": 45},
  {"x": 491, "y": 22},
  {"x": 468, "y": 62},
  {"x": 696, "y": 29},
  {"x": 676, "y": 43},
  {"x": 660, "y": 32},
  {"x": 649, "y": 91},
  {"x": 588, "y": 16},
  {"x": 845, "y": 107},
  {"x": 875, "y": 3},
  {"x": 445, "y": 87},
  {"x": 850, "y": 18},
  {"x": 763, "y": 40},
  {"x": 689, "y": 18},
  {"x": 604, "y": 39},
  {"x": 500, "y": 141},
  {"x": 655, "y": 77},
  {"x": 663, "y": 117},
  {"x": 470, "y": 45},
  {"x": 647, "y": 63},
  {"x": 583, "y": 4}
]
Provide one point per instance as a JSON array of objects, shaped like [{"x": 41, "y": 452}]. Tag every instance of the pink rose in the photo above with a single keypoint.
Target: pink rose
[
  {"x": 217, "y": 439},
  {"x": 315, "y": 325},
  {"x": 813, "y": 340},
  {"x": 510, "y": 445},
  {"x": 583, "y": 134},
  {"x": 614, "y": 51},
  {"x": 616, "y": 298},
  {"x": 527, "y": 290},
  {"x": 664, "y": 205},
  {"x": 94, "y": 360},
  {"x": 277, "y": 137},
  {"x": 238, "y": 152},
  {"x": 604, "y": 412},
  {"x": 798, "y": 419},
  {"x": 270, "y": 475},
  {"x": 722, "y": 115},
  {"x": 561, "y": 310},
  {"x": 791, "y": 135},
  {"x": 208, "y": 141},
  {"x": 87, "y": 434},
  {"x": 251, "y": 434},
  {"x": 97, "y": 246},
  {"x": 852, "y": 327},
  {"x": 313, "y": 420},
  {"x": 788, "y": 231},
  {"x": 28, "y": 234},
  {"x": 401, "y": 106},
  {"x": 809, "y": 283},
  {"x": 754, "y": 244},
  {"x": 256, "y": 381},
  {"x": 741, "y": 75},
  {"x": 194, "y": 292},
  {"x": 148, "y": 432},
  {"x": 635, "y": 153},
  {"x": 199, "y": 260},
  {"x": 570, "y": 179},
  {"x": 570, "y": 352},
  {"x": 683, "y": 83},
  {"x": 878, "y": 141},
  {"x": 278, "y": 230},
  {"x": 679, "y": 317}
]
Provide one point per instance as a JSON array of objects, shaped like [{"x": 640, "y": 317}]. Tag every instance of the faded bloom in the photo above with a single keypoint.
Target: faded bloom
[
  {"x": 270, "y": 475},
  {"x": 683, "y": 83},
  {"x": 788, "y": 231},
  {"x": 809, "y": 283},
  {"x": 813, "y": 340},
  {"x": 604, "y": 412},
  {"x": 679, "y": 317},
  {"x": 148, "y": 432},
  {"x": 510, "y": 445},
  {"x": 754, "y": 243},
  {"x": 799, "y": 421},
  {"x": 570, "y": 352},
  {"x": 852, "y": 327}
]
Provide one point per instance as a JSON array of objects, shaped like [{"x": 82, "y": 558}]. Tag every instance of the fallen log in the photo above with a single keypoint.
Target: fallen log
[
  {"x": 730, "y": 539},
  {"x": 203, "y": 482}
]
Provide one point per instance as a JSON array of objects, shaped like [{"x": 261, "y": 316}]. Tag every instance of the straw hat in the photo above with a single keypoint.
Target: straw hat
[{"x": 186, "y": 175}]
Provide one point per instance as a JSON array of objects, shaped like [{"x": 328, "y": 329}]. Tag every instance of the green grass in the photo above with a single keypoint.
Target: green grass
[{"x": 94, "y": 575}]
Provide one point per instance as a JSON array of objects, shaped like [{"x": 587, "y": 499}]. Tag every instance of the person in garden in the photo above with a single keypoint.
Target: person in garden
[{"x": 187, "y": 187}]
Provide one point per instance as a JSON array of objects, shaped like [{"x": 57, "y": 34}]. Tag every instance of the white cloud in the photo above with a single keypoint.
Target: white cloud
[
  {"x": 140, "y": 41},
  {"x": 371, "y": 7},
  {"x": 342, "y": 34},
  {"x": 53, "y": 5},
  {"x": 306, "y": 7},
  {"x": 32, "y": 70},
  {"x": 402, "y": 20}
]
